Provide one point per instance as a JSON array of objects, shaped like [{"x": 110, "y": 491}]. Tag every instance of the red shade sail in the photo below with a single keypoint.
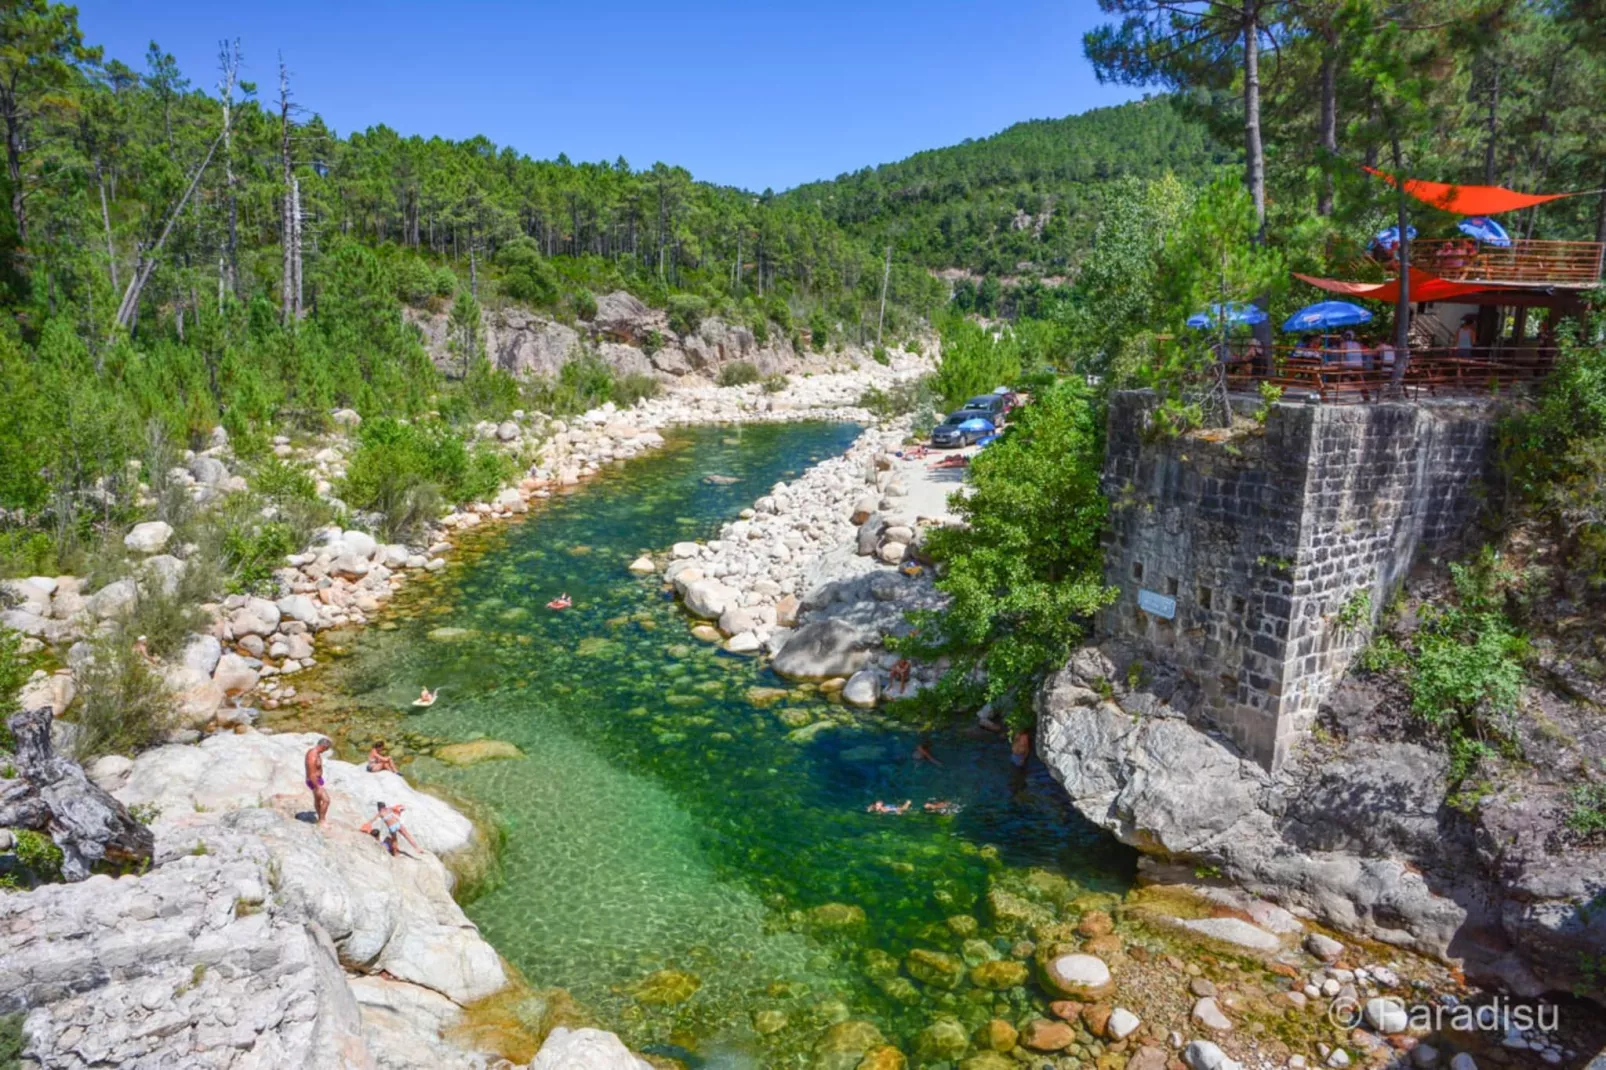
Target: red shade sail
[
  {"x": 1424, "y": 287},
  {"x": 1471, "y": 200}
]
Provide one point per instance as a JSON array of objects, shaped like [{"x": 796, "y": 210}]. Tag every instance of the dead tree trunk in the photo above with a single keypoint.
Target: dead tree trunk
[
  {"x": 287, "y": 280},
  {"x": 55, "y": 796},
  {"x": 148, "y": 258}
]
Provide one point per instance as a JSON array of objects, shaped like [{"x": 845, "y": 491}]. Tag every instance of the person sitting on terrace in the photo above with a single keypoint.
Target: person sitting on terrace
[
  {"x": 1385, "y": 355},
  {"x": 1306, "y": 349},
  {"x": 1466, "y": 336}
]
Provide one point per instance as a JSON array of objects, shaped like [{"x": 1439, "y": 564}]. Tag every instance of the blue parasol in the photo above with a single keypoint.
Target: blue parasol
[
  {"x": 977, "y": 424},
  {"x": 1390, "y": 237},
  {"x": 987, "y": 441},
  {"x": 1234, "y": 313},
  {"x": 1325, "y": 315},
  {"x": 1485, "y": 230}
]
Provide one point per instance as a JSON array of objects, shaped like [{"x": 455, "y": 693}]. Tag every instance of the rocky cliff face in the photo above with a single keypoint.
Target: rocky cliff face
[
  {"x": 625, "y": 334},
  {"x": 1356, "y": 834}
]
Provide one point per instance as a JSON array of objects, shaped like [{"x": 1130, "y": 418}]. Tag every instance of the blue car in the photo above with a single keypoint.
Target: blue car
[{"x": 961, "y": 428}]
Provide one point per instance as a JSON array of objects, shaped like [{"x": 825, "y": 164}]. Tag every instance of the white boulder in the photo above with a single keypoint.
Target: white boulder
[{"x": 149, "y": 538}]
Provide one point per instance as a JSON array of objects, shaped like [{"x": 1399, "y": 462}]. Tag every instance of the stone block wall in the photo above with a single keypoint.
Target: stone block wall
[{"x": 1255, "y": 563}]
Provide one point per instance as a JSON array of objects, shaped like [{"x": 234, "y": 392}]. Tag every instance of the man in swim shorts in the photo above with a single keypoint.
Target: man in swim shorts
[{"x": 320, "y": 794}]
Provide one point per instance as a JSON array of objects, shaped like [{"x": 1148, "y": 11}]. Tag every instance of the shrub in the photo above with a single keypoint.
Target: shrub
[
  {"x": 904, "y": 398},
  {"x": 1587, "y": 815},
  {"x": 629, "y": 389},
  {"x": 738, "y": 373},
  {"x": 879, "y": 355},
  {"x": 774, "y": 384},
  {"x": 405, "y": 471},
  {"x": 653, "y": 342},
  {"x": 686, "y": 311},
  {"x": 819, "y": 330},
  {"x": 123, "y": 706},
  {"x": 251, "y": 555},
  {"x": 761, "y": 330},
  {"x": 527, "y": 275},
  {"x": 416, "y": 282},
  {"x": 1024, "y": 573},
  {"x": 584, "y": 303}
]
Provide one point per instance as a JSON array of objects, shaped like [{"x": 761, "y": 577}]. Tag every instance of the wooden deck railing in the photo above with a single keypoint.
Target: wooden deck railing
[
  {"x": 1524, "y": 263},
  {"x": 1336, "y": 377}
]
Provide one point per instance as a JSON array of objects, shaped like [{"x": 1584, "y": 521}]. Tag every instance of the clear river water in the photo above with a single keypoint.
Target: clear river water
[{"x": 670, "y": 834}]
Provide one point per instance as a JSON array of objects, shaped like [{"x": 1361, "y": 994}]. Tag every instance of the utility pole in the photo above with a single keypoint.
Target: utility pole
[{"x": 886, "y": 273}]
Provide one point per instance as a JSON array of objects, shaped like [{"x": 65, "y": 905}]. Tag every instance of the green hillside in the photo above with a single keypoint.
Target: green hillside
[{"x": 1023, "y": 197}]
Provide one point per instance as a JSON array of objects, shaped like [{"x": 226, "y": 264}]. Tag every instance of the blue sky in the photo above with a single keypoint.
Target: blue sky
[{"x": 748, "y": 94}]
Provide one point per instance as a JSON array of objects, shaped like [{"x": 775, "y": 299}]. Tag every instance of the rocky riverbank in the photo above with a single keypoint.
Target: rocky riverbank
[
  {"x": 820, "y": 570},
  {"x": 283, "y": 944},
  {"x": 1357, "y": 836}
]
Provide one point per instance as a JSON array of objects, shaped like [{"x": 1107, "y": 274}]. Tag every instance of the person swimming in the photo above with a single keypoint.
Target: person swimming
[
  {"x": 923, "y": 753},
  {"x": 942, "y": 807},
  {"x": 879, "y": 807},
  {"x": 426, "y": 697},
  {"x": 562, "y": 601}
]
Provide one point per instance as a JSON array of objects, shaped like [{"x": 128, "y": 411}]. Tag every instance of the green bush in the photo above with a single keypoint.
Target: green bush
[
  {"x": 973, "y": 361},
  {"x": 819, "y": 330},
  {"x": 761, "y": 330},
  {"x": 774, "y": 384},
  {"x": 405, "y": 471},
  {"x": 738, "y": 373},
  {"x": 584, "y": 303},
  {"x": 1024, "y": 573},
  {"x": 250, "y": 556},
  {"x": 416, "y": 281},
  {"x": 1587, "y": 815},
  {"x": 123, "y": 706},
  {"x": 527, "y": 275},
  {"x": 11, "y": 1040},
  {"x": 653, "y": 342},
  {"x": 629, "y": 389},
  {"x": 907, "y": 397},
  {"x": 686, "y": 311},
  {"x": 879, "y": 355}
]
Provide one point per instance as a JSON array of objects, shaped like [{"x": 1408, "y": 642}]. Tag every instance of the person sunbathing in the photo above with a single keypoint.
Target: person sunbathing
[
  {"x": 879, "y": 807},
  {"x": 386, "y": 827},
  {"x": 562, "y": 601},
  {"x": 380, "y": 761},
  {"x": 953, "y": 460},
  {"x": 426, "y": 697}
]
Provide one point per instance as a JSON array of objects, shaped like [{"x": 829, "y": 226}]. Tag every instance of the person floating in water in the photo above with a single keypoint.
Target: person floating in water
[
  {"x": 1020, "y": 748},
  {"x": 879, "y": 807},
  {"x": 426, "y": 697},
  {"x": 923, "y": 753},
  {"x": 379, "y": 760},
  {"x": 386, "y": 825},
  {"x": 942, "y": 806},
  {"x": 562, "y": 601},
  {"x": 314, "y": 763}
]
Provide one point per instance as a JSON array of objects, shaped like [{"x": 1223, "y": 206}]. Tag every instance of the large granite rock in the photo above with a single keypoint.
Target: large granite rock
[
  {"x": 822, "y": 649},
  {"x": 1357, "y": 836},
  {"x": 230, "y": 772}
]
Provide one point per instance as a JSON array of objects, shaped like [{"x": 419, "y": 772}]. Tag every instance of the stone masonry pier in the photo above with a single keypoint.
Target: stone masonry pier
[{"x": 1256, "y": 563}]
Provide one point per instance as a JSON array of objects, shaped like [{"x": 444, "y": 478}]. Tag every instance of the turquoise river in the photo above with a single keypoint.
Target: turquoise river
[{"x": 671, "y": 835}]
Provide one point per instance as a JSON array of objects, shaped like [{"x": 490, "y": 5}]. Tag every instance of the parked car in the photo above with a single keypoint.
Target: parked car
[
  {"x": 949, "y": 433},
  {"x": 987, "y": 406}
]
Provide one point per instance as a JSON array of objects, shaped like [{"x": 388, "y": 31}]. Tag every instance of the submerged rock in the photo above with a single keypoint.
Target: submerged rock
[
  {"x": 836, "y": 916},
  {"x": 935, "y": 968},
  {"x": 476, "y": 751},
  {"x": 666, "y": 988}
]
